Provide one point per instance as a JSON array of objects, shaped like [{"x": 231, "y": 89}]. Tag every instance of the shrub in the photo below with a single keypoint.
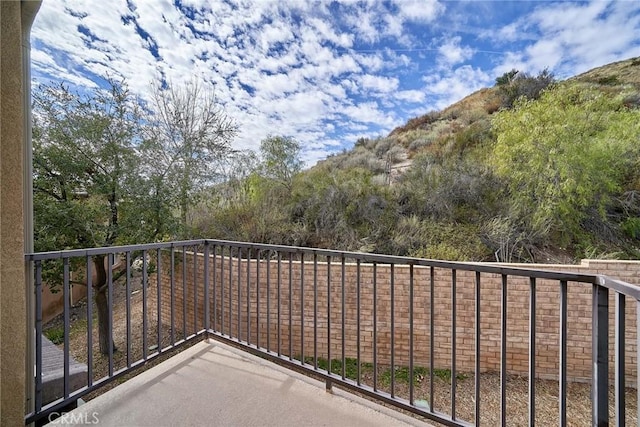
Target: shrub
[
  {"x": 417, "y": 123},
  {"x": 396, "y": 154},
  {"x": 382, "y": 147},
  {"x": 452, "y": 242},
  {"x": 55, "y": 335},
  {"x": 631, "y": 227},
  {"x": 608, "y": 81},
  {"x": 522, "y": 85},
  {"x": 506, "y": 78}
]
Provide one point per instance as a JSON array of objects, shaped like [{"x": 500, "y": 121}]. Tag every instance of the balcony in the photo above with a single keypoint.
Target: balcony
[{"x": 452, "y": 343}]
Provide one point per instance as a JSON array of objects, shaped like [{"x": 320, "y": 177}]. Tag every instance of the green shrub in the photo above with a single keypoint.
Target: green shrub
[
  {"x": 506, "y": 77},
  {"x": 523, "y": 85},
  {"x": 55, "y": 335},
  {"x": 631, "y": 227},
  {"x": 350, "y": 366},
  {"x": 608, "y": 81},
  {"x": 402, "y": 374}
]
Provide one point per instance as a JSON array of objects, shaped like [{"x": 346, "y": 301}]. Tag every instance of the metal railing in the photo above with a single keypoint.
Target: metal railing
[{"x": 365, "y": 322}]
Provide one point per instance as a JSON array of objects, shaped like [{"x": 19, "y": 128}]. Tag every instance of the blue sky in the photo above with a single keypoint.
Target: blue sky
[{"x": 326, "y": 72}]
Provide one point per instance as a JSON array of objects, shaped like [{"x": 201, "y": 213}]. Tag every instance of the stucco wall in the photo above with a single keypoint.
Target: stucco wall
[{"x": 15, "y": 20}]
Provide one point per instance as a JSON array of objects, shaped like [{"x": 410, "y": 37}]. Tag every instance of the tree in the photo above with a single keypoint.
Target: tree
[
  {"x": 516, "y": 84},
  {"x": 564, "y": 154},
  {"x": 187, "y": 137},
  {"x": 281, "y": 158},
  {"x": 86, "y": 175},
  {"x": 507, "y": 77}
]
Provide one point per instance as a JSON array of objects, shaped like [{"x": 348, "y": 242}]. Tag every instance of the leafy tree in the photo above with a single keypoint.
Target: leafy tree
[
  {"x": 507, "y": 77},
  {"x": 564, "y": 154},
  {"x": 187, "y": 138},
  {"x": 86, "y": 175},
  {"x": 281, "y": 158},
  {"x": 520, "y": 84}
]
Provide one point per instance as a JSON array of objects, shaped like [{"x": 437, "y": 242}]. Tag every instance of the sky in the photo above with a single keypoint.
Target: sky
[{"x": 325, "y": 72}]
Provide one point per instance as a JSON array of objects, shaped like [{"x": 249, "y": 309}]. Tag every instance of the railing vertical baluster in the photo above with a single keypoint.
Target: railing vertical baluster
[
  {"x": 343, "y": 313},
  {"x": 159, "y": 298},
  {"x": 411, "y": 387},
  {"x": 279, "y": 285},
  {"x": 258, "y": 258},
  {"x": 532, "y": 351},
  {"x": 375, "y": 326},
  {"x": 358, "y": 338},
  {"x": 215, "y": 288},
  {"x": 145, "y": 278},
  {"x": 620, "y": 363},
  {"x": 38, "y": 325},
  {"x": 315, "y": 311},
  {"x": 503, "y": 352},
  {"x": 206, "y": 288},
  {"x": 290, "y": 306},
  {"x": 600, "y": 355},
  {"x": 110, "y": 262},
  {"x": 89, "y": 263},
  {"x": 329, "y": 318},
  {"x": 392, "y": 286},
  {"x": 172, "y": 286},
  {"x": 302, "y": 307},
  {"x": 128, "y": 305},
  {"x": 239, "y": 300},
  {"x": 230, "y": 293},
  {"x": 431, "y": 334},
  {"x": 67, "y": 308},
  {"x": 453, "y": 344},
  {"x": 195, "y": 290},
  {"x": 269, "y": 300},
  {"x": 638, "y": 359},
  {"x": 248, "y": 296},
  {"x": 222, "y": 288},
  {"x": 184, "y": 292},
  {"x": 477, "y": 348},
  {"x": 562, "y": 380}
]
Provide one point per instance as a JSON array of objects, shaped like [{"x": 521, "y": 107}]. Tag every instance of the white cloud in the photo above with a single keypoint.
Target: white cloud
[
  {"x": 451, "y": 53},
  {"x": 322, "y": 71},
  {"x": 413, "y": 96},
  {"x": 368, "y": 112},
  {"x": 449, "y": 88},
  {"x": 379, "y": 84},
  {"x": 544, "y": 54},
  {"x": 570, "y": 37},
  {"x": 420, "y": 10}
]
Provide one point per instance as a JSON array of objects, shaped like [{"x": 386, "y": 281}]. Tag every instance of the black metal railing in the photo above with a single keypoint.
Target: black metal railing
[{"x": 380, "y": 325}]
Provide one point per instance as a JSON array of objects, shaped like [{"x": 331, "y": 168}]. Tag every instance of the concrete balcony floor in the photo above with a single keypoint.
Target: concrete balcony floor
[{"x": 212, "y": 384}]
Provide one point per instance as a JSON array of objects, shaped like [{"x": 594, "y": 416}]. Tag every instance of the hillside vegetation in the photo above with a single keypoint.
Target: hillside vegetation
[{"x": 531, "y": 169}]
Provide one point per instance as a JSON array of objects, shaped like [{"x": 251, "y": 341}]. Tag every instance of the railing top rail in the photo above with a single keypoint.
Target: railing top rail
[
  {"x": 71, "y": 253},
  {"x": 596, "y": 279}
]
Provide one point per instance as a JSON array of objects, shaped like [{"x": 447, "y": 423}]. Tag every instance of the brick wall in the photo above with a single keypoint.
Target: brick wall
[{"x": 230, "y": 293}]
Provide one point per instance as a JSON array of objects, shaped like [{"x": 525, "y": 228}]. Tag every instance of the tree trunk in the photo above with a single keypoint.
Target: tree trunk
[{"x": 102, "y": 305}]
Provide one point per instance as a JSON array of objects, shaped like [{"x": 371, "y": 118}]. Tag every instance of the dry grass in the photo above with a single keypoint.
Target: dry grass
[
  {"x": 578, "y": 394},
  {"x": 517, "y": 392},
  {"x": 625, "y": 72}
]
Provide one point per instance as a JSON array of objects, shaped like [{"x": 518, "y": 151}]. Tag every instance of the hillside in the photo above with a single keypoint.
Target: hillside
[{"x": 531, "y": 169}]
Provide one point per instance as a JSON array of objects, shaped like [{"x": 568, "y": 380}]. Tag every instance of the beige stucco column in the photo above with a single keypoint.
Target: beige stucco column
[{"x": 16, "y": 18}]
